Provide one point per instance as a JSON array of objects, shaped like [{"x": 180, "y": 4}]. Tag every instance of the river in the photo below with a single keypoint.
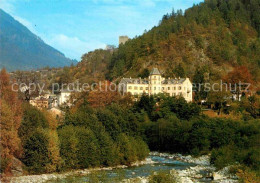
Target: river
[
  {"x": 159, "y": 163},
  {"x": 186, "y": 169}
]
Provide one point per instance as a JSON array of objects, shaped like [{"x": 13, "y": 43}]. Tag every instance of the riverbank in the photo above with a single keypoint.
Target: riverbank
[
  {"x": 55, "y": 176},
  {"x": 200, "y": 170},
  {"x": 192, "y": 175}
]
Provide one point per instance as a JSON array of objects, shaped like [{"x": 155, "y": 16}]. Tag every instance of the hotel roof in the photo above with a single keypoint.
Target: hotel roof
[
  {"x": 155, "y": 71},
  {"x": 146, "y": 81}
]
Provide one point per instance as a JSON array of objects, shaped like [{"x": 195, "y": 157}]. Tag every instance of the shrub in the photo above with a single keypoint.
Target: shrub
[
  {"x": 162, "y": 177},
  {"x": 68, "y": 147},
  {"x": 36, "y": 152},
  {"x": 88, "y": 149},
  {"x": 223, "y": 156}
]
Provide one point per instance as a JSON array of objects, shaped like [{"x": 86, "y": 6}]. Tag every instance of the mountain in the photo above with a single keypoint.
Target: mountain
[
  {"x": 23, "y": 50},
  {"x": 211, "y": 38},
  {"x": 215, "y": 35}
]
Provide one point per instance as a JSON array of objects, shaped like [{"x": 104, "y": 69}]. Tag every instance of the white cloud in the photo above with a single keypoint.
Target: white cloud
[{"x": 73, "y": 45}]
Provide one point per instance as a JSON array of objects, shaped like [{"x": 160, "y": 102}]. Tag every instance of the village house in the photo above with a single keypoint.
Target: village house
[
  {"x": 156, "y": 84},
  {"x": 39, "y": 102},
  {"x": 63, "y": 97}
]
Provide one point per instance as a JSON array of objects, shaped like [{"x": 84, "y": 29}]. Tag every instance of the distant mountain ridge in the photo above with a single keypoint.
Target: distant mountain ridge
[{"x": 20, "y": 49}]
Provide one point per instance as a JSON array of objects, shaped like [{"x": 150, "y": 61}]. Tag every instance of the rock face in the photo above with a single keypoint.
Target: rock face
[{"x": 17, "y": 167}]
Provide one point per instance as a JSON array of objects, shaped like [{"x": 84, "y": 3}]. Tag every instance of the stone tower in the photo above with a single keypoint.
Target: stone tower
[{"x": 123, "y": 39}]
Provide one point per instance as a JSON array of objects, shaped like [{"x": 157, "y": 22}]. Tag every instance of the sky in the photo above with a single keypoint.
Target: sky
[{"x": 75, "y": 27}]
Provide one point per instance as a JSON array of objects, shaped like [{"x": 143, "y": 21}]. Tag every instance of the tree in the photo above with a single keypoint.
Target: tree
[
  {"x": 88, "y": 153},
  {"x": 179, "y": 106},
  {"x": 34, "y": 124},
  {"x": 219, "y": 98},
  {"x": 110, "y": 122},
  {"x": 251, "y": 105},
  {"x": 238, "y": 79},
  {"x": 11, "y": 114},
  {"x": 53, "y": 151},
  {"x": 69, "y": 147},
  {"x": 36, "y": 152},
  {"x": 179, "y": 71},
  {"x": 199, "y": 82},
  {"x": 127, "y": 152},
  {"x": 33, "y": 118},
  {"x": 147, "y": 103},
  {"x": 103, "y": 95},
  {"x": 145, "y": 73}
]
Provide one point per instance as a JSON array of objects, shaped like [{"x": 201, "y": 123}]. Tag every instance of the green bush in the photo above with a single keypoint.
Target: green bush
[
  {"x": 88, "y": 153},
  {"x": 33, "y": 118},
  {"x": 223, "y": 156},
  {"x": 36, "y": 151},
  {"x": 68, "y": 147},
  {"x": 162, "y": 177}
]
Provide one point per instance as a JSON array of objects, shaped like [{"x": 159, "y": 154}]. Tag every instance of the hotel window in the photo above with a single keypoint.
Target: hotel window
[
  {"x": 146, "y": 88},
  {"x": 129, "y": 87},
  {"x": 179, "y": 87},
  {"x": 174, "y": 94},
  {"x": 136, "y": 88},
  {"x": 154, "y": 88},
  {"x": 174, "y": 88},
  {"x": 154, "y": 77},
  {"x": 162, "y": 88},
  {"x": 169, "y": 88},
  {"x": 141, "y": 88}
]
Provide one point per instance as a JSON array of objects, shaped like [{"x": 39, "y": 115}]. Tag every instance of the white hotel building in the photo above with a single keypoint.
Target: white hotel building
[{"x": 156, "y": 84}]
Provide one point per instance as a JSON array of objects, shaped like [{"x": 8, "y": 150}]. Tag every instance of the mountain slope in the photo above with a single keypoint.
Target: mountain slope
[
  {"x": 211, "y": 38},
  {"x": 21, "y": 49},
  {"x": 216, "y": 34}
]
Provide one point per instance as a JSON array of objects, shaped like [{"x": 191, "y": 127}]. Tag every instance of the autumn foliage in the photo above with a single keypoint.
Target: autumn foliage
[
  {"x": 103, "y": 95},
  {"x": 239, "y": 75},
  {"x": 11, "y": 114},
  {"x": 239, "y": 80}
]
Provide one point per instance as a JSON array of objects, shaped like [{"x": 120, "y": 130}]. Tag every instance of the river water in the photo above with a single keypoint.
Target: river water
[{"x": 116, "y": 175}]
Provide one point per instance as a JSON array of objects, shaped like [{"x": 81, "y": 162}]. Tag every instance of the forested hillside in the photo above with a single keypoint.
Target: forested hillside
[{"x": 216, "y": 36}]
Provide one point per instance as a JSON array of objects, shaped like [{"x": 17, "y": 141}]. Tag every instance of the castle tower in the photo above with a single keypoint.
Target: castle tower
[
  {"x": 155, "y": 81},
  {"x": 123, "y": 39}
]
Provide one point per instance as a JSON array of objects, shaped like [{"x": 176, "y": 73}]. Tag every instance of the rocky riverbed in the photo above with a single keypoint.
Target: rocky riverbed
[
  {"x": 202, "y": 172},
  {"x": 58, "y": 176},
  {"x": 186, "y": 169}
]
